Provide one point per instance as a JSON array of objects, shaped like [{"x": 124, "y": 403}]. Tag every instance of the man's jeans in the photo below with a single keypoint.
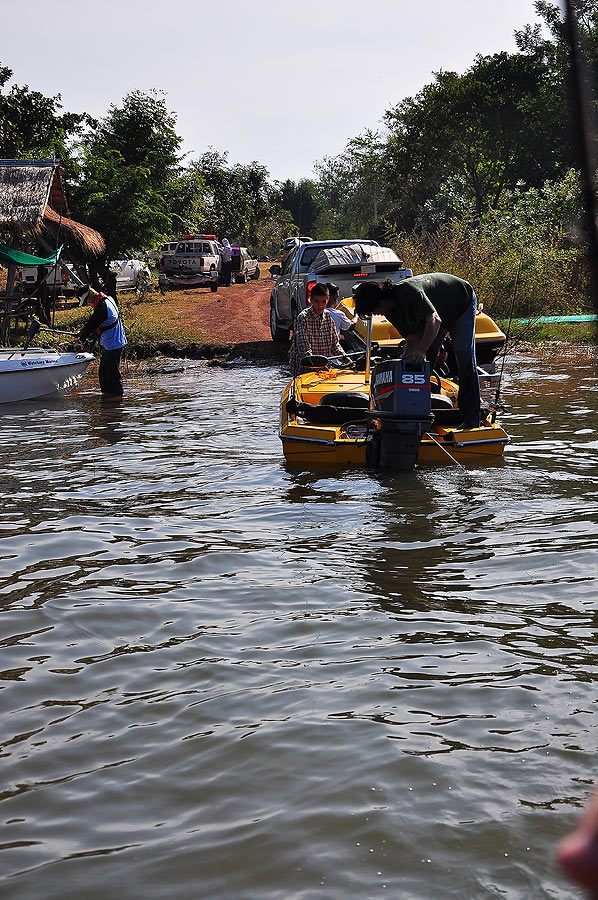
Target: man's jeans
[{"x": 463, "y": 340}]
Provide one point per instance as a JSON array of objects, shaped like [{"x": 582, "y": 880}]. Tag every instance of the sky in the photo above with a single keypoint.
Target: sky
[{"x": 282, "y": 83}]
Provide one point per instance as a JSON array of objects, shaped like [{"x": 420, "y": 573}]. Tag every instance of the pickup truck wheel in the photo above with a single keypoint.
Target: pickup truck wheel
[
  {"x": 214, "y": 287},
  {"x": 256, "y": 274},
  {"x": 280, "y": 335}
]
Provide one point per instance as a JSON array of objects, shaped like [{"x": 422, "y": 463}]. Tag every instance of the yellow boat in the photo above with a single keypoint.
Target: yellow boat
[{"x": 333, "y": 417}]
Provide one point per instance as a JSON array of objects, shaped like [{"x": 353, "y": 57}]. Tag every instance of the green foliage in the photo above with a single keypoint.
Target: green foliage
[
  {"x": 463, "y": 144},
  {"x": 451, "y": 201},
  {"x": 301, "y": 201},
  {"x": 272, "y": 230},
  {"x": 480, "y": 129},
  {"x": 545, "y": 217},
  {"x": 529, "y": 240},
  {"x": 552, "y": 332},
  {"x": 236, "y": 197},
  {"x": 475, "y": 175},
  {"x": 127, "y": 174},
  {"x": 188, "y": 203},
  {"x": 31, "y": 125},
  {"x": 351, "y": 190},
  {"x": 238, "y": 202}
]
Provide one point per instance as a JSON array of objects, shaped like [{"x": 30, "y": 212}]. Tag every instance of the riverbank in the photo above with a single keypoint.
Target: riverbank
[
  {"x": 195, "y": 323},
  {"x": 234, "y": 321}
]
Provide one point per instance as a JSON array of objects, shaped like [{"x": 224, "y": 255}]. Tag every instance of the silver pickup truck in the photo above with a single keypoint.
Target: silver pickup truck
[{"x": 316, "y": 262}]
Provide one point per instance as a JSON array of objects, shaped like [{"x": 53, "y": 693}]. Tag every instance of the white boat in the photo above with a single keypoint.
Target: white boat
[{"x": 38, "y": 372}]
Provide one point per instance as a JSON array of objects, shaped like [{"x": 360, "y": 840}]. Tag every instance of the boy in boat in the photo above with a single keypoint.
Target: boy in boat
[
  {"x": 343, "y": 323},
  {"x": 423, "y": 309},
  {"x": 315, "y": 332},
  {"x": 105, "y": 321}
]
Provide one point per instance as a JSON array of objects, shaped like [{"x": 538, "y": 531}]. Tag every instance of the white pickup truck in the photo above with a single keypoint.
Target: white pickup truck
[
  {"x": 194, "y": 262},
  {"x": 60, "y": 279},
  {"x": 243, "y": 265}
]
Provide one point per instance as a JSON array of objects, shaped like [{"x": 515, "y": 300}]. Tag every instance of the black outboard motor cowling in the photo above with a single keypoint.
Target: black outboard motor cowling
[{"x": 402, "y": 393}]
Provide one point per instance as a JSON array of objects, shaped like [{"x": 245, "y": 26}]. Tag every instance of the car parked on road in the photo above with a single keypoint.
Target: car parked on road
[
  {"x": 309, "y": 263},
  {"x": 243, "y": 265},
  {"x": 59, "y": 279},
  {"x": 129, "y": 272},
  {"x": 290, "y": 244},
  {"x": 194, "y": 262}
]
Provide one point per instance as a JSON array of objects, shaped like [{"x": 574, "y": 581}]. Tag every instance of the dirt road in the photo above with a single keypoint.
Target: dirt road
[{"x": 237, "y": 314}]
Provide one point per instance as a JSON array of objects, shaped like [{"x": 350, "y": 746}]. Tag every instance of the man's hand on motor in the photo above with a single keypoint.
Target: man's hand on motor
[{"x": 414, "y": 356}]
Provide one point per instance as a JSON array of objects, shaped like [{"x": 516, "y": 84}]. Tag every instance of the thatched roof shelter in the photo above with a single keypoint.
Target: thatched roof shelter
[{"x": 33, "y": 204}]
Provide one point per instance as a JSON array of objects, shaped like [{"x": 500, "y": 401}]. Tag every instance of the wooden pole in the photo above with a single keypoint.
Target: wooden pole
[{"x": 585, "y": 134}]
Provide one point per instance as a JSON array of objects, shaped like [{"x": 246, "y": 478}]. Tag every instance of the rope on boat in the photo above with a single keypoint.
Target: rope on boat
[{"x": 448, "y": 453}]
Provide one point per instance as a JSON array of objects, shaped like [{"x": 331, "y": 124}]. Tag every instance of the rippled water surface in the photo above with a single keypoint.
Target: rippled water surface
[{"x": 222, "y": 678}]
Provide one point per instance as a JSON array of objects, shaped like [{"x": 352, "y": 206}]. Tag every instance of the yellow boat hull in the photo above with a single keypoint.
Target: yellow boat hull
[{"x": 307, "y": 445}]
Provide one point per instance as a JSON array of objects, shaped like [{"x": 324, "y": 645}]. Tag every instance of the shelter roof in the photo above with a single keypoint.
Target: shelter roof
[{"x": 33, "y": 203}]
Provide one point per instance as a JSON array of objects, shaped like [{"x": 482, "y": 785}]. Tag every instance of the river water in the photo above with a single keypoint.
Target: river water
[{"x": 222, "y": 678}]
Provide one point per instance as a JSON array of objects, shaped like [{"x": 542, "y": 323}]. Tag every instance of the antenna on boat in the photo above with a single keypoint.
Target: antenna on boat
[{"x": 368, "y": 349}]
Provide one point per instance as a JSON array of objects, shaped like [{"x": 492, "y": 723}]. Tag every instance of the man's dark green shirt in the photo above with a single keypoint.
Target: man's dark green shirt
[{"x": 420, "y": 296}]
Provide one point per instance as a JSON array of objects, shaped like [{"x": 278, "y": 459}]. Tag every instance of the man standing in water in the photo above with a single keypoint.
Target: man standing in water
[
  {"x": 105, "y": 321},
  {"x": 423, "y": 309}
]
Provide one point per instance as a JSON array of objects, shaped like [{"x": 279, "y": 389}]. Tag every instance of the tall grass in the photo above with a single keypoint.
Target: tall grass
[{"x": 553, "y": 280}]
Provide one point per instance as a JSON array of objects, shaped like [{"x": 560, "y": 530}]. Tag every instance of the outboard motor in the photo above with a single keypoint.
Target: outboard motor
[{"x": 402, "y": 393}]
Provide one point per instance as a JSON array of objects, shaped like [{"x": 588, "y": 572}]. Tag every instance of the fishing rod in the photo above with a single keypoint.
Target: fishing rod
[
  {"x": 444, "y": 449},
  {"x": 508, "y": 335},
  {"x": 36, "y": 326}
]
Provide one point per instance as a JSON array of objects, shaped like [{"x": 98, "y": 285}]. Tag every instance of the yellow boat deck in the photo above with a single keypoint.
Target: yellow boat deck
[{"x": 307, "y": 444}]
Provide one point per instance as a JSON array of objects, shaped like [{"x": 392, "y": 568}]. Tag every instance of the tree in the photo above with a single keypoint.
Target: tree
[
  {"x": 300, "y": 199},
  {"x": 188, "y": 203},
  {"x": 31, "y": 125},
  {"x": 497, "y": 124},
  {"x": 272, "y": 230},
  {"x": 352, "y": 190},
  {"x": 238, "y": 199},
  {"x": 128, "y": 173}
]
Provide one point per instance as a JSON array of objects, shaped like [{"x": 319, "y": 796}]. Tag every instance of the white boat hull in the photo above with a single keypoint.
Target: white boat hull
[{"x": 29, "y": 374}]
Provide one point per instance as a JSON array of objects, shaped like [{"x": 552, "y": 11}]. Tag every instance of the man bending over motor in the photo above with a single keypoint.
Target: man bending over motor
[
  {"x": 423, "y": 309},
  {"x": 315, "y": 332}
]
